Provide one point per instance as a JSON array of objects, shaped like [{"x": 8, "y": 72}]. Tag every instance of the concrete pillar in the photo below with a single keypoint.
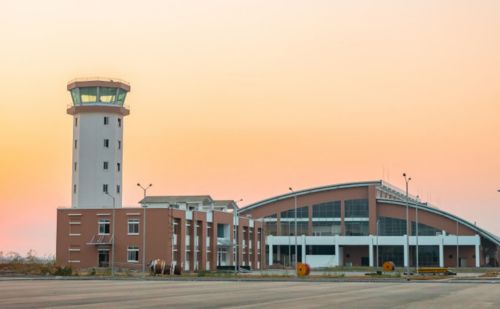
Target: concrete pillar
[
  {"x": 304, "y": 260},
  {"x": 441, "y": 255},
  {"x": 478, "y": 256},
  {"x": 270, "y": 257},
  {"x": 370, "y": 251},
  {"x": 337, "y": 251},
  {"x": 406, "y": 257}
]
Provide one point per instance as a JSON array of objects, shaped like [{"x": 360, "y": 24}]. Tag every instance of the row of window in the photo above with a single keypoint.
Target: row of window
[
  {"x": 105, "y": 166},
  {"x": 104, "y": 226},
  {"x": 106, "y": 121},
  {"x": 106, "y": 144},
  {"x": 357, "y": 208},
  {"x": 104, "y": 189}
]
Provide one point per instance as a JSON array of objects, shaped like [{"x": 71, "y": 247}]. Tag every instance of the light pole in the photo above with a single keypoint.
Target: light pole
[
  {"x": 144, "y": 190},
  {"x": 295, "y": 223},
  {"x": 407, "y": 180},
  {"x": 458, "y": 264},
  {"x": 377, "y": 242},
  {"x": 113, "y": 237},
  {"x": 235, "y": 240},
  {"x": 416, "y": 232}
]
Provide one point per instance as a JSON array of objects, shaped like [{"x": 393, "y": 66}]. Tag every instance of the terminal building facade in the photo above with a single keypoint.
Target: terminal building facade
[
  {"x": 364, "y": 224},
  {"x": 353, "y": 224}
]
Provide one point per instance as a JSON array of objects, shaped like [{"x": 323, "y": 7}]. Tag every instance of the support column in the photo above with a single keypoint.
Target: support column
[
  {"x": 304, "y": 260},
  {"x": 270, "y": 257},
  {"x": 406, "y": 257},
  {"x": 441, "y": 255},
  {"x": 478, "y": 257},
  {"x": 370, "y": 251},
  {"x": 337, "y": 251}
]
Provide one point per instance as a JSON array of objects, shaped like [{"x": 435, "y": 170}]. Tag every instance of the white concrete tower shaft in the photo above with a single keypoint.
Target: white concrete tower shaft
[{"x": 98, "y": 112}]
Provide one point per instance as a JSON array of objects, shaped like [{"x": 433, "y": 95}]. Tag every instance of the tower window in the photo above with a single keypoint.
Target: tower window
[
  {"x": 118, "y": 167},
  {"x": 75, "y": 166},
  {"x": 119, "y": 122},
  {"x": 74, "y": 189},
  {"x": 106, "y": 143},
  {"x": 76, "y": 121},
  {"x": 105, "y": 188},
  {"x": 118, "y": 189},
  {"x": 119, "y": 144},
  {"x": 105, "y": 165},
  {"x": 76, "y": 143},
  {"x": 106, "y": 120}
]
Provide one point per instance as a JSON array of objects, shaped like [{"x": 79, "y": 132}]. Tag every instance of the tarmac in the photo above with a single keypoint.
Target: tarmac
[{"x": 27, "y": 293}]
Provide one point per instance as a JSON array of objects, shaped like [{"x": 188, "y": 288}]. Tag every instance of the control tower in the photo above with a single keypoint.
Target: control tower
[{"x": 98, "y": 112}]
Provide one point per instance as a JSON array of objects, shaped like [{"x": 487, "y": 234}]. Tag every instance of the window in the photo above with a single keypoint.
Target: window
[
  {"x": 119, "y": 144},
  {"x": 76, "y": 143},
  {"x": 133, "y": 254},
  {"x": 118, "y": 189},
  {"x": 356, "y": 228},
  {"x": 391, "y": 226},
  {"x": 103, "y": 226},
  {"x": 88, "y": 94},
  {"x": 302, "y": 212},
  {"x": 424, "y": 230},
  {"x": 327, "y": 210},
  {"x": 105, "y": 188},
  {"x": 74, "y": 166},
  {"x": 271, "y": 228},
  {"x": 288, "y": 228},
  {"x": 119, "y": 122},
  {"x": 76, "y": 121},
  {"x": 356, "y": 208},
  {"x": 74, "y": 189},
  {"x": 105, "y": 165},
  {"x": 133, "y": 226},
  {"x": 106, "y": 143},
  {"x": 118, "y": 167},
  {"x": 326, "y": 228},
  {"x": 107, "y": 94},
  {"x": 106, "y": 120}
]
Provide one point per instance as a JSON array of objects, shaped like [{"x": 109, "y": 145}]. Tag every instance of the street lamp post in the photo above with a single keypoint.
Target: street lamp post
[
  {"x": 416, "y": 233},
  {"x": 378, "y": 220},
  {"x": 407, "y": 180},
  {"x": 113, "y": 237},
  {"x": 295, "y": 228},
  {"x": 144, "y": 190},
  {"x": 235, "y": 240}
]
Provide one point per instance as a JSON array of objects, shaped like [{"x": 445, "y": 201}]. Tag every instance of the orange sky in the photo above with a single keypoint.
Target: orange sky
[{"x": 242, "y": 99}]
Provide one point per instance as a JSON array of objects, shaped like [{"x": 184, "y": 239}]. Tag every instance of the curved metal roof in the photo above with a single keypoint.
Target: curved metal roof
[
  {"x": 446, "y": 214},
  {"x": 380, "y": 184},
  {"x": 309, "y": 191}
]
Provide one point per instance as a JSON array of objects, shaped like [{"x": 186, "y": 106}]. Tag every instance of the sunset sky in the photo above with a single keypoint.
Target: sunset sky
[{"x": 243, "y": 99}]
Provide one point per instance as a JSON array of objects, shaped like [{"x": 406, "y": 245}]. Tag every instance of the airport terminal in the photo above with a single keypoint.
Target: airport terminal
[{"x": 350, "y": 224}]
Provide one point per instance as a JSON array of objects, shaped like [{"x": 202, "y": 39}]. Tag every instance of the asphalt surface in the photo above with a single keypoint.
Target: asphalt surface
[{"x": 199, "y": 294}]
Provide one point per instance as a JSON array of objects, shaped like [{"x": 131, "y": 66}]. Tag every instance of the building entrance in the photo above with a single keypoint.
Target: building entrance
[{"x": 103, "y": 258}]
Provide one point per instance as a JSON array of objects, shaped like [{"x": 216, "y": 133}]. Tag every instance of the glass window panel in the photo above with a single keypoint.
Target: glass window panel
[
  {"x": 75, "y": 97},
  {"x": 302, "y": 212},
  {"x": 391, "y": 226},
  {"x": 121, "y": 96},
  {"x": 88, "y": 94},
  {"x": 356, "y": 208},
  {"x": 356, "y": 228},
  {"x": 424, "y": 230},
  {"x": 107, "y": 95},
  {"x": 326, "y": 228},
  {"x": 327, "y": 210}
]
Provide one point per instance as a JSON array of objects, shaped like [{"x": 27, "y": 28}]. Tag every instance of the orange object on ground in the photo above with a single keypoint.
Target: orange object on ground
[
  {"x": 303, "y": 269},
  {"x": 389, "y": 266}
]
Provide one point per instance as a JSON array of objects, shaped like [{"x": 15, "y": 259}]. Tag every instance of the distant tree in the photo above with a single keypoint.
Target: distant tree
[
  {"x": 14, "y": 257},
  {"x": 31, "y": 257}
]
